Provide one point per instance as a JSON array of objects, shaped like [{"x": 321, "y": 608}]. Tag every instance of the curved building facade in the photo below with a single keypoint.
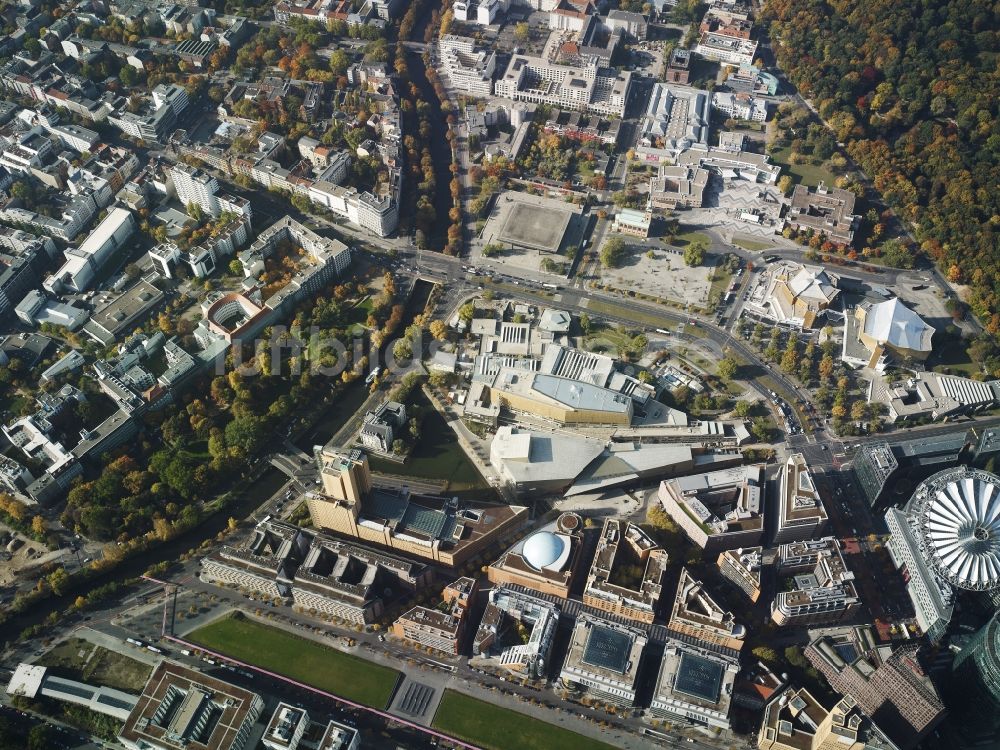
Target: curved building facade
[{"x": 976, "y": 682}]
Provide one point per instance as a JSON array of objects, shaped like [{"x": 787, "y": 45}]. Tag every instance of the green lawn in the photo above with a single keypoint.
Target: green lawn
[
  {"x": 952, "y": 357},
  {"x": 752, "y": 245},
  {"x": 808, "y": 173},
  {"x": 299, "y": 659},
  {"x": 682, "y": 238},
  {"x": 497, "y": 728},
  {"x": 721, "y": 278}
]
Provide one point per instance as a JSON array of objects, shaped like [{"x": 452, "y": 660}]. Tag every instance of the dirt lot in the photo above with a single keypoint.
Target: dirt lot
[{"x": 78, "y": 659}]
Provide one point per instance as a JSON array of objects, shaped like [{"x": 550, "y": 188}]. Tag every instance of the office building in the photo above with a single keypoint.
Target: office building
[
  {"x": 435, "y": 528},
  {"x": 795, "y": 720},
  {"x": 339, "y": 736},
  {"x": 498, "y": 643},
  {"x": 603, "y": 659},
  {"x": 313, "y": 572},
  {"x": 826, "y": 211},
  {"x": 30, "y": 681},
  {"x": 741, "y": 567},
  {"x": 741, "y": 106},
  {"x": 895, "y": 690},
  {"x": 822, "y": 586},
  {"x": 694, "y": 684},
  {"x": 726, "y": 49},
  {"x": 381, "y": 426},
  {"x": 84, "y": 263},
  {"x": 676, "y": 187},
  {"x": 183, "y": 709},
  {"x": 285, "y": 729},
  {"x": 801, "y": 514},
  {"x": 873, "y": 464},
  {"x": 942, "y": 538},
  {"x": 718, "y": 510},
  {"x": 698, "y": 619},
  {"x": 625, "y": 577},
  {"x": 545, "y": 561},
  {"x": 976, "y": 684}
]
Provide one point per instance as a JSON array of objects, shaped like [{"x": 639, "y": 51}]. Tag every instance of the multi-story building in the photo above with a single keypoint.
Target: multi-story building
[
  {"x": 741, "y": 567},
  {"x": 83, "y": 263},
  {"x": 171, "y": 95},
  {"x": 545, "y": 561},
  {"x": 741, "y": 106},
  {"x": 314, "y": 572},
  {"x": 193, "y": 186},
  {"x": 339, "y": 736},
  {"x": 469, "y": 69},
  {"x": 381, "y": 426},
  {"x": 625, "y": 577},
  {"x": 726, "y": 49},
  {"x": 533, "y": 79},
  {"x": 695, "y": 684},
  {"x": 435, "y": 528},
  {"x": 633, "y": 222},
  {"x": 823, "y": 587},
  {"x": 509, "y": 610},
  {"x": 603, "y": 658},
  {"x": 829, "y": 211},
  {"x": 873, "y": 464},
  {"x": 895, "y": 691},
  {"x": 718, "y": 510},
  {"x": 976, "y": 683},
  {"x": 941, "y": 540},
  {"x": 933, "y": 599},
  {"x": 181, "y": 708},
  {"x": 676, "y": 187},
  {"x": 20, "y": 273},
  {"x": 437, "y": 629},
  {"x": 795, "y": 720},
  {"x": 285, "y": 729},
  {"x": 697, "y": 618},
  {"x": 801, "y": 514}
]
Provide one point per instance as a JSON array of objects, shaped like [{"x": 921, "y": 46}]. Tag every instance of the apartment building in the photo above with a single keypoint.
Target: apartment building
[
  {"x": 469, "y": 68},
  {"x": 625, "y": 577},
  {"x": 741, "y": 567},
  {"x": 437, "y": 629}
]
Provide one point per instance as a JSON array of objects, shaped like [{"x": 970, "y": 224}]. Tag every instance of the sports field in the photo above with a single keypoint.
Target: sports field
[
  {"x": 299, "y": 658},
  {"x": 496, "y": 728}
]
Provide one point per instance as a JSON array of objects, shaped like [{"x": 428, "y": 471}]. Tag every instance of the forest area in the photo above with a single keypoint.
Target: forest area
[{"x": 912, "y": 90}]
